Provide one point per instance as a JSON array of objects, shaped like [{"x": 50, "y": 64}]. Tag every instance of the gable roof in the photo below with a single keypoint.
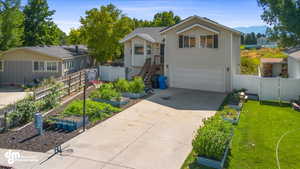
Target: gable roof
[
  {"x": 151, "y": 34},
  {"x": 60, "y": 52},
  {"x": 294, "y": 52},
  {"x": 200, "y": 18}
]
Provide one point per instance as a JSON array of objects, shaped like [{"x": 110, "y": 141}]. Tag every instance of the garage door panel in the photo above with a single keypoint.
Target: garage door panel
[{"x": 200, "y": 79}]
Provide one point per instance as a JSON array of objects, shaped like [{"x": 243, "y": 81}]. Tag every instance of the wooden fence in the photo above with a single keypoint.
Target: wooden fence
[{"x": 71, "y": 83}]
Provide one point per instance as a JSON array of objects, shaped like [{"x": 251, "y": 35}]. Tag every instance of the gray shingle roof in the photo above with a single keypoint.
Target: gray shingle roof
[
  {"x": 63, "y": 52},
  {"x": 151, "y": 34},
  {"x": 294, "y": 52}
]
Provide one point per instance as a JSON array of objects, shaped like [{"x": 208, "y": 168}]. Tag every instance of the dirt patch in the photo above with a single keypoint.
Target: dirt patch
[{"x": 28, "y": 139}]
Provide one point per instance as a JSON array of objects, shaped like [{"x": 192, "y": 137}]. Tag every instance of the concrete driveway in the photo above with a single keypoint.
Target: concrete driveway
[
  {"x": 153, "y": 134},
  {"x": 10, "y": 95}
]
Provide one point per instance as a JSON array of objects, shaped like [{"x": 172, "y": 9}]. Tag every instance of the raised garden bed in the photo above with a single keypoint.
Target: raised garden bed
[
  {"x": 70, "y": 123},
  {"x": 134, "y": 95},
  {"x": 214, "y": 163},
  {"x": 230, "y": 114},
  {"x": 120, "y": 103}
]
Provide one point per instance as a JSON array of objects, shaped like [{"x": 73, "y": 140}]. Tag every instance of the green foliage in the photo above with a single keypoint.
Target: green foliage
[
  {"x": 136, "y": 85},
  {"x": 39, "y": 27},
  {"x": 11, "y": 24},
  {"x": 76, "y": 37},
  {"x": 94, "y": 110},
  {"x": 229, "y": 113},
  {"x": 53, "y": 98},
  {"x": 166, "y": 18},
  {"x": 212, "y": 139},
  {"x": 122, "y": 85},
  {"x": 103, "y": 29},
  {"x": 107, "y": 92},
  {"x": 24, "y": 112},
  {"x": 284, "y": 17},
  {"x": 249, "y": 66}
]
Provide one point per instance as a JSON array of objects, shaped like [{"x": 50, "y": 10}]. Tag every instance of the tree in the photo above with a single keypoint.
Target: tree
[
  {"x": 102, "y": 29},
  {"x": 250, "y": 39},
  {"x": 11, "y": 24},
  {"x": 38, "y": 25},
  {"x": 165, "y": 19},
  {"x": 284, "y": 16},
  {"x": 76, "y": 37}
]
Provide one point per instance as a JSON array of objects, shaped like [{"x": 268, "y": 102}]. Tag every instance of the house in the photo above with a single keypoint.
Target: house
[
  {"x": 25, "y": 64},
  {"x": 196, "y": 53},
  {"x": 266, "y": 43},
  {"x": 274, "y": 67},
  {"x": 294, "y": 62}
]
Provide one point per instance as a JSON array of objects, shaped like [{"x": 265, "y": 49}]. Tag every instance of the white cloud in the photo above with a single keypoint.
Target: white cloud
[{"x": 66, "y": 26}]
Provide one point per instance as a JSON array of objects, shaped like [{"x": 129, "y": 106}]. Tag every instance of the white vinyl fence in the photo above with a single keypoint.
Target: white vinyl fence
[
  {"x": 284, "y": 89},
  {"x": 111, "y": 73}
]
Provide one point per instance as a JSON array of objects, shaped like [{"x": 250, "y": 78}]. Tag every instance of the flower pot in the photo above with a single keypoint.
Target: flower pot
[{"x": 121, "y": 103}]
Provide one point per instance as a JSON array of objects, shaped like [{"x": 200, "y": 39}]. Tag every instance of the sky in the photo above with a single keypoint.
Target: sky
[{"x": 232, "y": 13}]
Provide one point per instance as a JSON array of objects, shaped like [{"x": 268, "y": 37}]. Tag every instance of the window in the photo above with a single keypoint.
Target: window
[
  {"x": 209, "y": 41},
  {"x": 38, "y": 66},
  {"x": 139, "y": 49},
  {"x": 202, "y": 41},
  {"x": 149, "y": 49},
  {"x": 186, "y": 41},
  {"x": 69, "y": 64},
  {"x": 1, "y": 65},
  {"x": 51, "y": 66}
]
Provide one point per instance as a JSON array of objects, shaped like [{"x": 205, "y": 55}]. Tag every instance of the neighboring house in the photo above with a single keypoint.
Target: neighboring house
[
  {"x": 196, "y": 53},
  {"x": 266, "y": 43},
  {"x": 273, "y": 67},
  {"x": 294, "y": 62},
  {"x": 25, "y": 64}
]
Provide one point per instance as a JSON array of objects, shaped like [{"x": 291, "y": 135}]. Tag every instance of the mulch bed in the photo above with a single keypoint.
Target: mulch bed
[{"x": 28, "y": 139}]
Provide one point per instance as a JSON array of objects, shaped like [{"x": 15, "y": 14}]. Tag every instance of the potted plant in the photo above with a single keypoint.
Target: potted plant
[{"x": 212, "y": 141}]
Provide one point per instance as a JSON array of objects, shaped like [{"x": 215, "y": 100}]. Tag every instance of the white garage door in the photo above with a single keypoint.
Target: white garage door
[{"x": 199, "y": 79}]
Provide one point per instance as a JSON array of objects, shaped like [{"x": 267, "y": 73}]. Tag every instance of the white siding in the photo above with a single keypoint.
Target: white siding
[{"x": 293, "y": 68}]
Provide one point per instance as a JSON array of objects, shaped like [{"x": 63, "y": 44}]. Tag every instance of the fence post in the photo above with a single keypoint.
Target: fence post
[
  {"x": 79, "y": 86},
  {"x": 69, "y": 84},
  {"x": 260, "y": 90},
  {"x": 279, "y": 92}
]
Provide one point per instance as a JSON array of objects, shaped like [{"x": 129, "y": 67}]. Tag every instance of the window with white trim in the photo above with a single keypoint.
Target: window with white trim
[
  {"x": 38, "y": 66},
  {"x": 1, "y": 65},
  {"x": 138, "y": 49},
  {"x": 185, "y": 41},
  {"x": 149, "y": 49},
  {"x": 69, "y": 64},
  {"x": 52, "y": 67}
]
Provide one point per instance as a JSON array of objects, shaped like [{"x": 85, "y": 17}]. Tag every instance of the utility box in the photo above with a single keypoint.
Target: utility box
[{"x": 38, "y": 122}]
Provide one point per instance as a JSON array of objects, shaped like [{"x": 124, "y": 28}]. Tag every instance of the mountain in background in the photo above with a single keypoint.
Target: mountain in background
[{"x": 249, "y": 29}]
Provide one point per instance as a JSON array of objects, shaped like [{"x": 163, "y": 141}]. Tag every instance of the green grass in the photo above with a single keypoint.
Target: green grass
[{"x": 256, "y": 136}]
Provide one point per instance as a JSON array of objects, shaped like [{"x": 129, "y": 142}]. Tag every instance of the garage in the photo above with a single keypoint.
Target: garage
[{"x": 199, "y": 79}]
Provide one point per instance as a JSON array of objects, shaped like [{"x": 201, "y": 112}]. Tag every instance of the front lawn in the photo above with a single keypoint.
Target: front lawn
[{"x": 256, "y": 136}]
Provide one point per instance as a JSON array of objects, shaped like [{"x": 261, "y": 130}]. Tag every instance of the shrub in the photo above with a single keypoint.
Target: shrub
[
  {"x": 213, "y": 138},
  {"x": 122, "y": 85},
  {"x": 24, "y": 112},
  {"x": 53, "y": 98},
  {"x": 107, "y": 92},
  {"x": 229, "y": 113},
  {"x": 94, "y": 110},
  {"x": 137, "y": 85}
]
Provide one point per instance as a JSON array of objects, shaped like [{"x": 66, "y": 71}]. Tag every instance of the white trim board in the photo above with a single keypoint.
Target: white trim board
[{"x": 197, "y": 25}]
